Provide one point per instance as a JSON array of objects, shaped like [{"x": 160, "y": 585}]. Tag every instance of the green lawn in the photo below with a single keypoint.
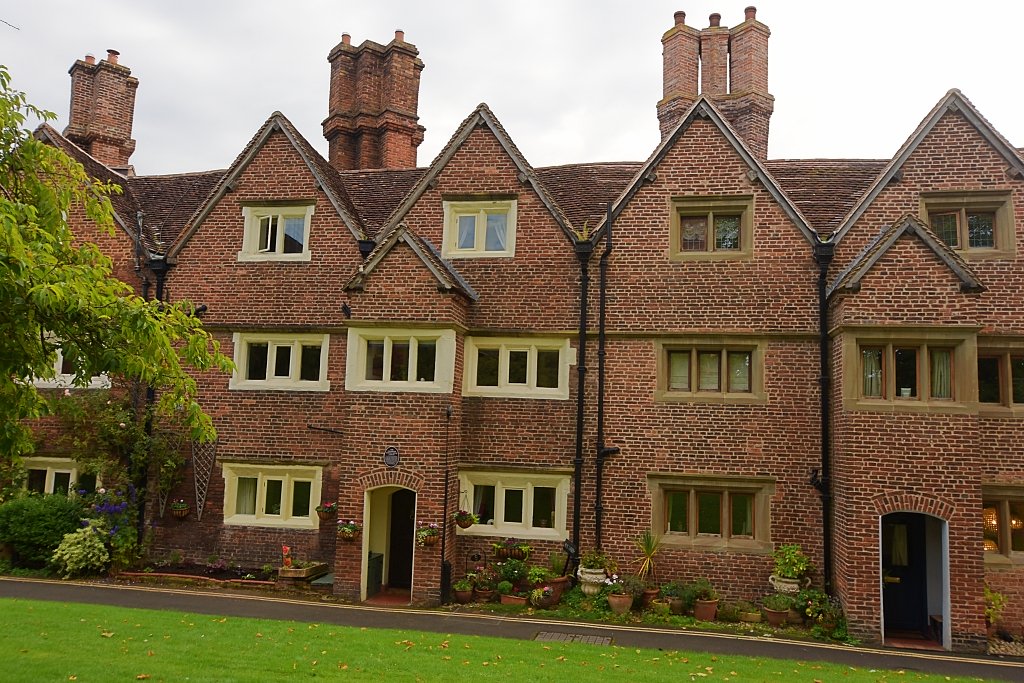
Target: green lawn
[{"x": 49, "y": 641}]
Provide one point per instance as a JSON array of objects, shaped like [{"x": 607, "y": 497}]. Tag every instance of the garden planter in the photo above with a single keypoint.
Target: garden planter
[
  {"x": 620, "y": 604},
  {"x": 431, "y": 540},
  {"x": 559, "y": 585},
  {"x": 591, "y": 580},
  {"x": 464, "y": 597},
  {"x": 544, "y": 602},
  {"x": 776, "y": 617},
  {"x": 675, "y": 605},
  {"x": 323, "y": 515},
  {"x": 513, "y": 600},
  {"x": 788, "y": 586},
  {"x": 750, "y": 617},
  {"x": 660, "y": 607},
  {"x": 649, "y": 595},
  {"x": 348, "y": 536},
  {"x": 705, "y": 610},
  {"x": 464, "y": 523},
  {"x": 483, "y": 595},
  {"x": 180, "y": 513},
  {"x": 313, "y": 571},
  {"x": 795, "y": 616}
]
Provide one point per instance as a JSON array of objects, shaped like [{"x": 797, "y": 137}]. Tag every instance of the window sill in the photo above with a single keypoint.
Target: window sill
[
  {"x": 267, "y": 385},
  {"x": 716, "y": 544},
  {"x": 551, "y": 394},
  {"x": 67, "y": 382},
  {"x": 994, "y": 559},
  {"x": 478, "y": 254},
  {"x": 249, "y": 520},
  {"x": 710, "y": 397},
  {"x": 1014, "y": 412},
  {"x": 244, "y": 256},
  {"x": 986, "y": 254},
  {"x": 399, "y": 387},
  {"x": 535, "y": 534},
  {"x": 907, "y": 405},
  {"x": 743, "y": 255}
]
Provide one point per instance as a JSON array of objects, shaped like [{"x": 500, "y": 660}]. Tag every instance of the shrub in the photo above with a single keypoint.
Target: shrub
[
  {"x": 82, "y": 552},
  {"x": 35, "y": 525},
  {"x": 728, "y": 612},
  {"x": 504, "y": 587},
  {"x": 791, "y": 562},
  {"x": 778, "y": 602},
  {"x": 511, "y": 570}
]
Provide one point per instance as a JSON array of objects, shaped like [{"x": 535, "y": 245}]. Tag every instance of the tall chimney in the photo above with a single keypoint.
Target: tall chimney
[
  {"x": 680, "y": 50},
  {"x": 372, "y": 119},
  {"x": 714, "y": 57},
  {"x": 103, "y": 109},
  {"x": 749, "y": 106}
]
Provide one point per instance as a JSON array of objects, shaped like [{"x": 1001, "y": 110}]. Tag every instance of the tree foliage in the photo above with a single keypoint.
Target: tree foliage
[{"x": 57, "y": 288}]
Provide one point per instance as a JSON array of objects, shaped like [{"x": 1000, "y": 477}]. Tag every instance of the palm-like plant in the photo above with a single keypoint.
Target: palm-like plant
[{"x": 648, "y": 543}]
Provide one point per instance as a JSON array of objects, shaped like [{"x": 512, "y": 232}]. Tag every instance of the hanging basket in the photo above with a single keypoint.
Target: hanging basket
[
  {"x": 431, "y": 540},
  {"x": 464, "y": 522},
  {"x": 180, "y": 513},
  {"x": 348, "y": 536}
]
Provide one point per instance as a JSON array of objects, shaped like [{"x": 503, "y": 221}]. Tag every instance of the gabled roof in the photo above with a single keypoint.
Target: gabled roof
[
  {"x": 953, "y": 101},
  {"x": 325, "y": 175},
  {"x": 448, "y": 278},
  {"x": 376, "y": 193},
  {"x": 704, "y": 108},
  {"x": 825, "y": 189},
  {"x": 849, "y": 280},
  {"x": 168, "y": 201},
  {"x": 585, "y": 190},
  {"x": 481, "y": 117}
]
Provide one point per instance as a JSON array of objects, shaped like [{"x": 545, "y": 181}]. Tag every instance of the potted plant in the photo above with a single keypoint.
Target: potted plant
[
  {"x": 326, "y": 509},
  {"x": 673, "y": 592},
  {"x": 348, "y": 530},
  {"x": 748, "y": 612},
  {"x": 465, "y": 518},
  {"x": 484, "y": 581},
  {"x": 705, "y": 603},
  {"x": 511, "y": 548},
  {"x": 463, "y": 589},
  {"x": 427, "y": 533},
  {"x": 648, "y": 543},
  {"x": 513, "y": 571},
  {"x": 995, "y": 603},
  {"x": 619, "y": 597},
  {"x": 594, "y": 568},
  {"x": 538, "y": 576},
  {"x": 810, "y": 603},
  {"x": 728, "y": 612},
  {"x": 792, "y": 569},
  {"x": 543, "y": 597},
  {"x": 776, "y": 608},
  {"x": 179, "y": 508}
]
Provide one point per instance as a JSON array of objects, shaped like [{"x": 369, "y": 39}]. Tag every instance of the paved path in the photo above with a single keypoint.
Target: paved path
[{"x": 525, "y": 628}]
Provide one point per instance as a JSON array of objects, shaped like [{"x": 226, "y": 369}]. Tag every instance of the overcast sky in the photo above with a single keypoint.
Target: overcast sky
[{"x": 571, "y": 80}]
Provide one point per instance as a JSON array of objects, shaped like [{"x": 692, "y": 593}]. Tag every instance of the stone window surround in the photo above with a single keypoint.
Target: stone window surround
[
  {"x": 1002, "y": 494},
  {"x": 757, "y": 348},
  {"x": 705, "y": 205},
  {"x": 455, "y": 206},
  {"x": 566, "y": 358},
  {"x": 241, "y": 341},
  {"x": 289, "y": 474},
  {"x": 999, "y": 202},
  {"x": 251, "y": 214},
  {"x": 525, "y": 478},
  {"x": 444, "y": 359},
  {"x": 54, "y": 465},
  {"x": 1003, "y": 347}
]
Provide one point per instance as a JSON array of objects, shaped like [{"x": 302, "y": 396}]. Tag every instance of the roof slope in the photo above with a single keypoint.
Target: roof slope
[
  {"x": 585, "y": 190},
  {"x": 825, "y": 189},
  {"x": 376, "y": 193},
  {"x": 167, "y": 201}
]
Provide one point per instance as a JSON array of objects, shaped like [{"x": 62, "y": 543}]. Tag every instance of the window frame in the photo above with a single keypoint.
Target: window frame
[
  {"x": 1005, "y": 350},
  {"x": 723, "y": 346},
  {"x": 444, "y": 360},
  {"x": 66, "y": 380},
  {"x": 963, "y": 202},
  {"x": 242, "y": 341},
  {"x": 453, "y": 208},
  {"x": 661, "y": 484},
  {"x": 289, "y": 475},
  {"x": 252, "y": 214},
  {"x": 1000, "y": 496},
  {"x": 506, "y": 388},
  {"x": 708, "y": 206},
  {"x": 527, "y": 480},
  {"x": 53, "y": 466}
]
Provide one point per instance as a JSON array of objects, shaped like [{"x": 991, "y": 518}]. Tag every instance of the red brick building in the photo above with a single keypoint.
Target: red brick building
[{"x": 735, "y": 352}]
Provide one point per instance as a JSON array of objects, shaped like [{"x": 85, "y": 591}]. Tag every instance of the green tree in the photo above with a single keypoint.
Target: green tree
[{"x": 57, "y": 288}]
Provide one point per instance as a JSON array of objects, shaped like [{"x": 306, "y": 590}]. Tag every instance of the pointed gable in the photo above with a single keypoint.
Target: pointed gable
[
  {"x": 324, "y": 176},
  {"x": 953, "y": 102}
]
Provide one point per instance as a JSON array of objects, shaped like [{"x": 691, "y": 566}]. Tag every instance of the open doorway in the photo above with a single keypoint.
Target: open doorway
[
  {"x": 390, "y": 537},
  {"x": 914, "y": 585}
]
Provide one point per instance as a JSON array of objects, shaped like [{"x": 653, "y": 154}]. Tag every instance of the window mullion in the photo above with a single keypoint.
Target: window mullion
[
  {"x": 414, "y": 358},
  {"x": 386, "y": 372},
  {"x": 503, "y": 366}
]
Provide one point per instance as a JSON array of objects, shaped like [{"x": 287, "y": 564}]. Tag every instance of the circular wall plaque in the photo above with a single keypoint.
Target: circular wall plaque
[{"x": 391, "y": 458}]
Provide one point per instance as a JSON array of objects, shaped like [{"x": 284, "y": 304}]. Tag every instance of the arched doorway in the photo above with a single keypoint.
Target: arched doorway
[
  {"x": 390, "y": 527},
  {"x": 914, "y": 578}
]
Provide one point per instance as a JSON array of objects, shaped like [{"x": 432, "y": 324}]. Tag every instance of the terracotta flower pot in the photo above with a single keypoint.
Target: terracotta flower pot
[
  {"x": 559, "y": 584},
  {"x": 483, "y": 595},
  {"x": 649, "y": 595},
  {"x": 620, "y": 603},
  {"x": 776, "y": 617},
  {"x": 705, "y": 610},
  {"x": 675, "y": 605},
  {"x": 513, "y": 600},
  {"x": 463, "y": 597}
]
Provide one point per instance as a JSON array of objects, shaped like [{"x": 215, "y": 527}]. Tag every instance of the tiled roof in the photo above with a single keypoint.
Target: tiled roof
[
  {"x": 585, "y": 190},
  {"x": 825, "y": 189},
  {"x": 377, "y": 193},
  {"x": 167, "y": 201}
]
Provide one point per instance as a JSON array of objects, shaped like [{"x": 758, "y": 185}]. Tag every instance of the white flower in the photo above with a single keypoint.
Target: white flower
[{"x": 101, "y": 491}]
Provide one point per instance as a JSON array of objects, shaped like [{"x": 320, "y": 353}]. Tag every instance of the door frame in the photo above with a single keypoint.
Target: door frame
[{"x": 367, "y": 536}]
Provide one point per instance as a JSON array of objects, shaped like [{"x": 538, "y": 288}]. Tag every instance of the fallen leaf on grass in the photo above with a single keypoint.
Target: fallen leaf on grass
[
  {"x": 142, "y": 677},
  {"x": 149, "y": 653},
  {"x": 107, "y": 634},
  {"x": 343, "y": 667},
  {"x": 259, "y": 635},
  {"x": 74, "y": 678}
]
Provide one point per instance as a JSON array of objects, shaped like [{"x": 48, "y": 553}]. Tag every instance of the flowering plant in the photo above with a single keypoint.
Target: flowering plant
[
  {"x": 424, "y": 530},
  {"x": 464, "y": 516},
  {"x": 327, "y": 506},
  {"x": 179, "y": 504},
  {"x": 614, "y": 585},
  {"x": 350, "y": 526},
  {"x": 286, "y": 554}
]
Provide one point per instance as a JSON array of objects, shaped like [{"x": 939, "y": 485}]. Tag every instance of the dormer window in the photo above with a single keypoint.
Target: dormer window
[
  {"x": 479, "y": 229},
  {"x": 276, "y": 233}
]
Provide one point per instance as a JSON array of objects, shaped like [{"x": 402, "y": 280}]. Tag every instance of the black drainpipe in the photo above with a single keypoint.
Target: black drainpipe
[
  {"x": 583, "y": 251},
  {"x": 446, "y": 566},
  {"x": 822, "y": 478},
  {"x": 603, "y": 452}
]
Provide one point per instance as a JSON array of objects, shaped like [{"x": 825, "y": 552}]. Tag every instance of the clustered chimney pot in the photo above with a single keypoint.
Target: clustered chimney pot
[
  {"x": 399, "y": 36},
  {"x": 346, "y": 39},
  {"x": 750, "y": 13},
  {"x": 680, "y": 18},
  {"x": 112, "y": 56},
  {"x": 90, "y": 59},
  {"x": 715, "y": 19}
]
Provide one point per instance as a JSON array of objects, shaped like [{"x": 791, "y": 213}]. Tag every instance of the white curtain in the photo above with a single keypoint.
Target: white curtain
[
  {"x": 245, "y": 501},
  {"x": 942, "y": 385},
  {"x": 496, "y": 232},
  {"x": 872, "y": 360}
]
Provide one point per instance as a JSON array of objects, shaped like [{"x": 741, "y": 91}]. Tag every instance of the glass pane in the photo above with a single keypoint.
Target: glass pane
[
  {"x": 301, "y": 493},
  {"x": 543, "y": 507},
  {"x": 739, "y": 371},
  {"x": 257, "y": 368},
  {"x": 467, "y": 232},
  {"x": 399, "y": 361},
  {"x": 483, "y": 503},
  {"x": 487, "y": 368},
  {"x": 981, "y": 229},
  {"x": 310, "y": 364},
  {"x": 547, "y": 368},
  {"x": 944, "y": 225},
  {"x": 727, "y": 233},
  {"x": 494, "y": 239},
  {"x": 906, "y": 373},
  {"x": 282, "y": 361},
  {"x": 61, "y": 482},
  {"x": 293, "y": 235},
  {"x": 275, "y": 487},
  {"x": 709, "y": 513},
  {"x": 693, "y": 233},
  {"x": 375, "y": 359},
  {"x": 742, "y": 505},
  {"x": 514, "y": 506},
  {"x": 426, "y": 354},
  {"x": 988, "y": 380},
  {"x": 942, "y": 373},
  {"x": 1016, "y": 525},
  {"x": 1017, "y": 375},
  {"x": 990, "y": 525},
  {"x": 66, "y": 366},
  {"x": 871, "y": 359},
  {"x": 36, "y": 482},
  {"x": 677, "y": 512},
  {"x": 86, "y": 483},
  {"x": 709, "y": 376},
  {"x": 245, "y": 498},
  {"x": 268, "y": 233},
  {"x": 517, "y": 363},
  {"x": 679, "y": 370}
]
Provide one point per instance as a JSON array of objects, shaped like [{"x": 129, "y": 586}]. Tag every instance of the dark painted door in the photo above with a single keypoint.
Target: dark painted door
[
  {"x": 403, "y": 508},
  {"x": 904, "y": 575}
]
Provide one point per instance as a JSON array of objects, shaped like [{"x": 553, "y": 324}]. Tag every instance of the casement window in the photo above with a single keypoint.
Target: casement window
[
  {"x": 288, "y": 362},
  {"x": 479, "y": 228},
  {"x": 525, "y": 368},
  {"x": 710, "y": 369},
  {"x": 1002, "y": 519},
  {"x": 61, "y": 476},
  {"x": 271, "y": 495},
  {"x": 392, "y": 359},
  {"x": 64, "y": 376},
  {"x": 276, "y": 233},
  {"x": 978, "y": 224},
  {"x": 711, "y": 227},
  {"x": 907, "y": 372},
  {"x": 521, "y": 504},
  {"x": 1001, "y": 377},
  {"x": 712, "y": 511}
]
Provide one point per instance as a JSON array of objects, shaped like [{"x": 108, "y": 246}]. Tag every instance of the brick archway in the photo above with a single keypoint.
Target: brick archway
[
  {"x": 389, "y": 477},
  {"x": 886, "y": 503}
]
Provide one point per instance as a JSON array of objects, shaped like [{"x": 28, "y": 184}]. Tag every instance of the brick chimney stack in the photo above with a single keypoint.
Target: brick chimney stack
[
  {"x": 102, "y": 109},
  {"x": 372, "y": 119},
  {"x": 733, "y": 73}
]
